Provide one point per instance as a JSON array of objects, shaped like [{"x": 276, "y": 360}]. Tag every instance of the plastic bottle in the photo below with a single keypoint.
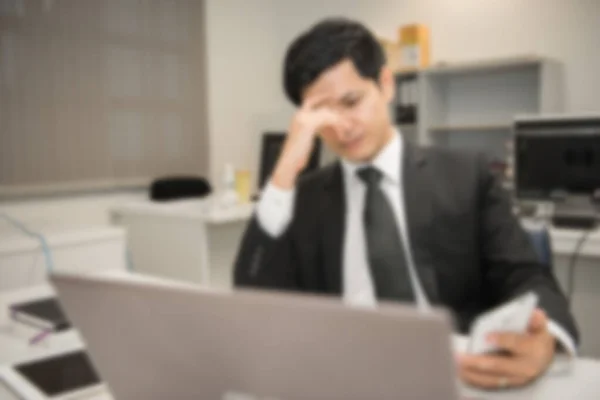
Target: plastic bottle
[{"x": 229, "y": 196}]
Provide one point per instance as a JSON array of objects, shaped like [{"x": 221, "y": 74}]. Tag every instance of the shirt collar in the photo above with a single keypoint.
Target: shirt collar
[{"x": 388, "y": 161}]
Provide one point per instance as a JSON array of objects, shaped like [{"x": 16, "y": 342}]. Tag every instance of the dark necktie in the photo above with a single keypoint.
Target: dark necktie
[{"x": 385, "y": 250}]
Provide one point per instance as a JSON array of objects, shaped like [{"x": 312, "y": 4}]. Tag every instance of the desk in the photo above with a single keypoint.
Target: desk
[
  {"x": 586, "y": 293},
  {"x": 564, "y": 242},
  {"x": 579, "y": 379},
  {"x": 191, "y": 240},
  {"x": 586, "y": 283},
  {"x": 14, "y": 340},
  {"x": 83, "y": 248},
  {"x": 582, "y": 381}
]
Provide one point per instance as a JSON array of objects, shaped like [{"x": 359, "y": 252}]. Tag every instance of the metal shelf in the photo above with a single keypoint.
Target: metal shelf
[{"x": 470, "y": 128}]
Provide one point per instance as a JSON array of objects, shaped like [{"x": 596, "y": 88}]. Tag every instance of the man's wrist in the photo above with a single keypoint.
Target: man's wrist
[
  {"x": 284, "y": 177},
  {"x": 565, "y": 343},
  {"x": 275, "y": 210}
]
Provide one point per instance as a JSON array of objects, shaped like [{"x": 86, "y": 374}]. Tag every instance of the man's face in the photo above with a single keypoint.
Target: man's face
[{"x": 362, "y": 105}]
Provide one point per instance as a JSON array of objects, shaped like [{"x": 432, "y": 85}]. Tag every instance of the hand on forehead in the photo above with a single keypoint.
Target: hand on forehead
[
  {"x": 314, "y": 101},
  {"x": 335, "y": 84}
]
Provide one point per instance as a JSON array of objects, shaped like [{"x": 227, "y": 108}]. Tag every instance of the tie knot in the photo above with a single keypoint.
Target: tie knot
[{"x": 371, "y": 176}]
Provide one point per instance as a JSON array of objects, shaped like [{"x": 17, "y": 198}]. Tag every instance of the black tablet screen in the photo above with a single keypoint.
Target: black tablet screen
[{"x": 60, "y": 374}]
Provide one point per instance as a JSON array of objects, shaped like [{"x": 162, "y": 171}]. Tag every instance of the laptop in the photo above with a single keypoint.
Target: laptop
[{"x": 151, "y": 339}]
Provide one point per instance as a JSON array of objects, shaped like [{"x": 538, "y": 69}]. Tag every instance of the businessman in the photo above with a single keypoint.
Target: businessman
[{"x": 393, "y": 221}]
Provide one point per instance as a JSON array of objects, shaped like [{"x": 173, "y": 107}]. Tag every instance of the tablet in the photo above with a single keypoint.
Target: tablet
[{"x": 58, "y": 377}]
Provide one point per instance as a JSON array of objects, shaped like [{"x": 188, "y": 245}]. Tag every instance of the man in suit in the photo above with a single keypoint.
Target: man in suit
[{"x": 392, "y": 221}]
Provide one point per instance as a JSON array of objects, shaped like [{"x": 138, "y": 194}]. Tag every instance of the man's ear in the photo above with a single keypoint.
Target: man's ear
[{"x": 387, "y": 83}]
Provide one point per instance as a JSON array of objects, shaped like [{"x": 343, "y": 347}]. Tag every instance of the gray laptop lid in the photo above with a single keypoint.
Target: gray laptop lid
[{"x": 154, "y": 341}]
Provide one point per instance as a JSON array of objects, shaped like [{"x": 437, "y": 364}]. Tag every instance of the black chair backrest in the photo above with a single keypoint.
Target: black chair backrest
[
  {"x": 542, "y": 244},
  {"x": 272, "y": 144},
  {"x": 179, "y": 187}
]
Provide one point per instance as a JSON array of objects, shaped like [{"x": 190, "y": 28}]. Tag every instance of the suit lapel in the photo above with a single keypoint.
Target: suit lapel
[
  {"x": 418, "y": 212},
  {"x": 333, "y": 225}
]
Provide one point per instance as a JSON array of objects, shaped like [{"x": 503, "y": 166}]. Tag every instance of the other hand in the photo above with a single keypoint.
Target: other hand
[{"x": 523, "y": 358}]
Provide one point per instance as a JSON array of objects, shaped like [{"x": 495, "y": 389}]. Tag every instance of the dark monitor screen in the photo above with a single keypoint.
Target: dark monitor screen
[
  {"x": 62, "y": 374},
  {"x": 272, "y": 144},
  {"x": 557, "y": 164}
]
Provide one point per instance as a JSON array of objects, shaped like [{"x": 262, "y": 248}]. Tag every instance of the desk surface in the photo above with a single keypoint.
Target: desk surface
[
  {"x": 15, "y": 347},
  {"x": 13, "y": 240},
  {"x": 565, "y": 379},
  {"x": 207, "y": 210},
  {"x": 565, "y": 241},
  {"x": 579, "y": 380},
  {"x": 14, "y": 337}
]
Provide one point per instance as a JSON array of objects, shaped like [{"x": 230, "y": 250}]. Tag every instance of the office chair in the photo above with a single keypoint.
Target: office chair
[
  {"x": 179, "y": 187},
  {"x": 542, "y": 243},
  {"x": 272, "y": 144}
]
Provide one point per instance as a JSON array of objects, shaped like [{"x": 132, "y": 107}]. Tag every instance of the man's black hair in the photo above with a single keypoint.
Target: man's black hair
[{"x": 323, "y": 46}]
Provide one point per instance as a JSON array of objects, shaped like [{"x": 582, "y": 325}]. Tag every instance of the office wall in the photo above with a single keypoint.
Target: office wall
[
  {"x": 244, "y": 96},
  {"x": 246, "y": 43},
  {"x": 247, "y": 40},
  {"x": 73, "y": 211}
]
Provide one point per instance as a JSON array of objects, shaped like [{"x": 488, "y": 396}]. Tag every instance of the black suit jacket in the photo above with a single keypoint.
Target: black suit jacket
[{"x": 469, "y": 249}]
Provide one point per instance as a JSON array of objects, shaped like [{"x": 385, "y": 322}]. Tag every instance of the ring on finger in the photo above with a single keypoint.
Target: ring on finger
[{"x": 503, "y": 383}]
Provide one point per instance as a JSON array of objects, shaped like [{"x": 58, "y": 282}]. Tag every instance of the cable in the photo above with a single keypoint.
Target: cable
[
  {"x": 40, "y": 336},
  {"x": 573, "y": 263},
  {"x": 36, "y": 235},
  {"x": 32, "y": 268},
  {"x": 128, "y": 259}
]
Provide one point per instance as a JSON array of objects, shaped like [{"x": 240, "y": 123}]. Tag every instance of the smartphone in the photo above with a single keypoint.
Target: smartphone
[{"x": 513, "y": 317}]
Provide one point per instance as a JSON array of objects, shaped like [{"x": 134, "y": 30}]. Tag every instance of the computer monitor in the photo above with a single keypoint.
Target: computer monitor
[
  {"x": 272, "y": 144},
  {"x": 557, "y": 157}
]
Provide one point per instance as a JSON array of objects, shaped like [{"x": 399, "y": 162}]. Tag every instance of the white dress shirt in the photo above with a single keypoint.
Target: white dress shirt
[{"x": 275, "y": 211}]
